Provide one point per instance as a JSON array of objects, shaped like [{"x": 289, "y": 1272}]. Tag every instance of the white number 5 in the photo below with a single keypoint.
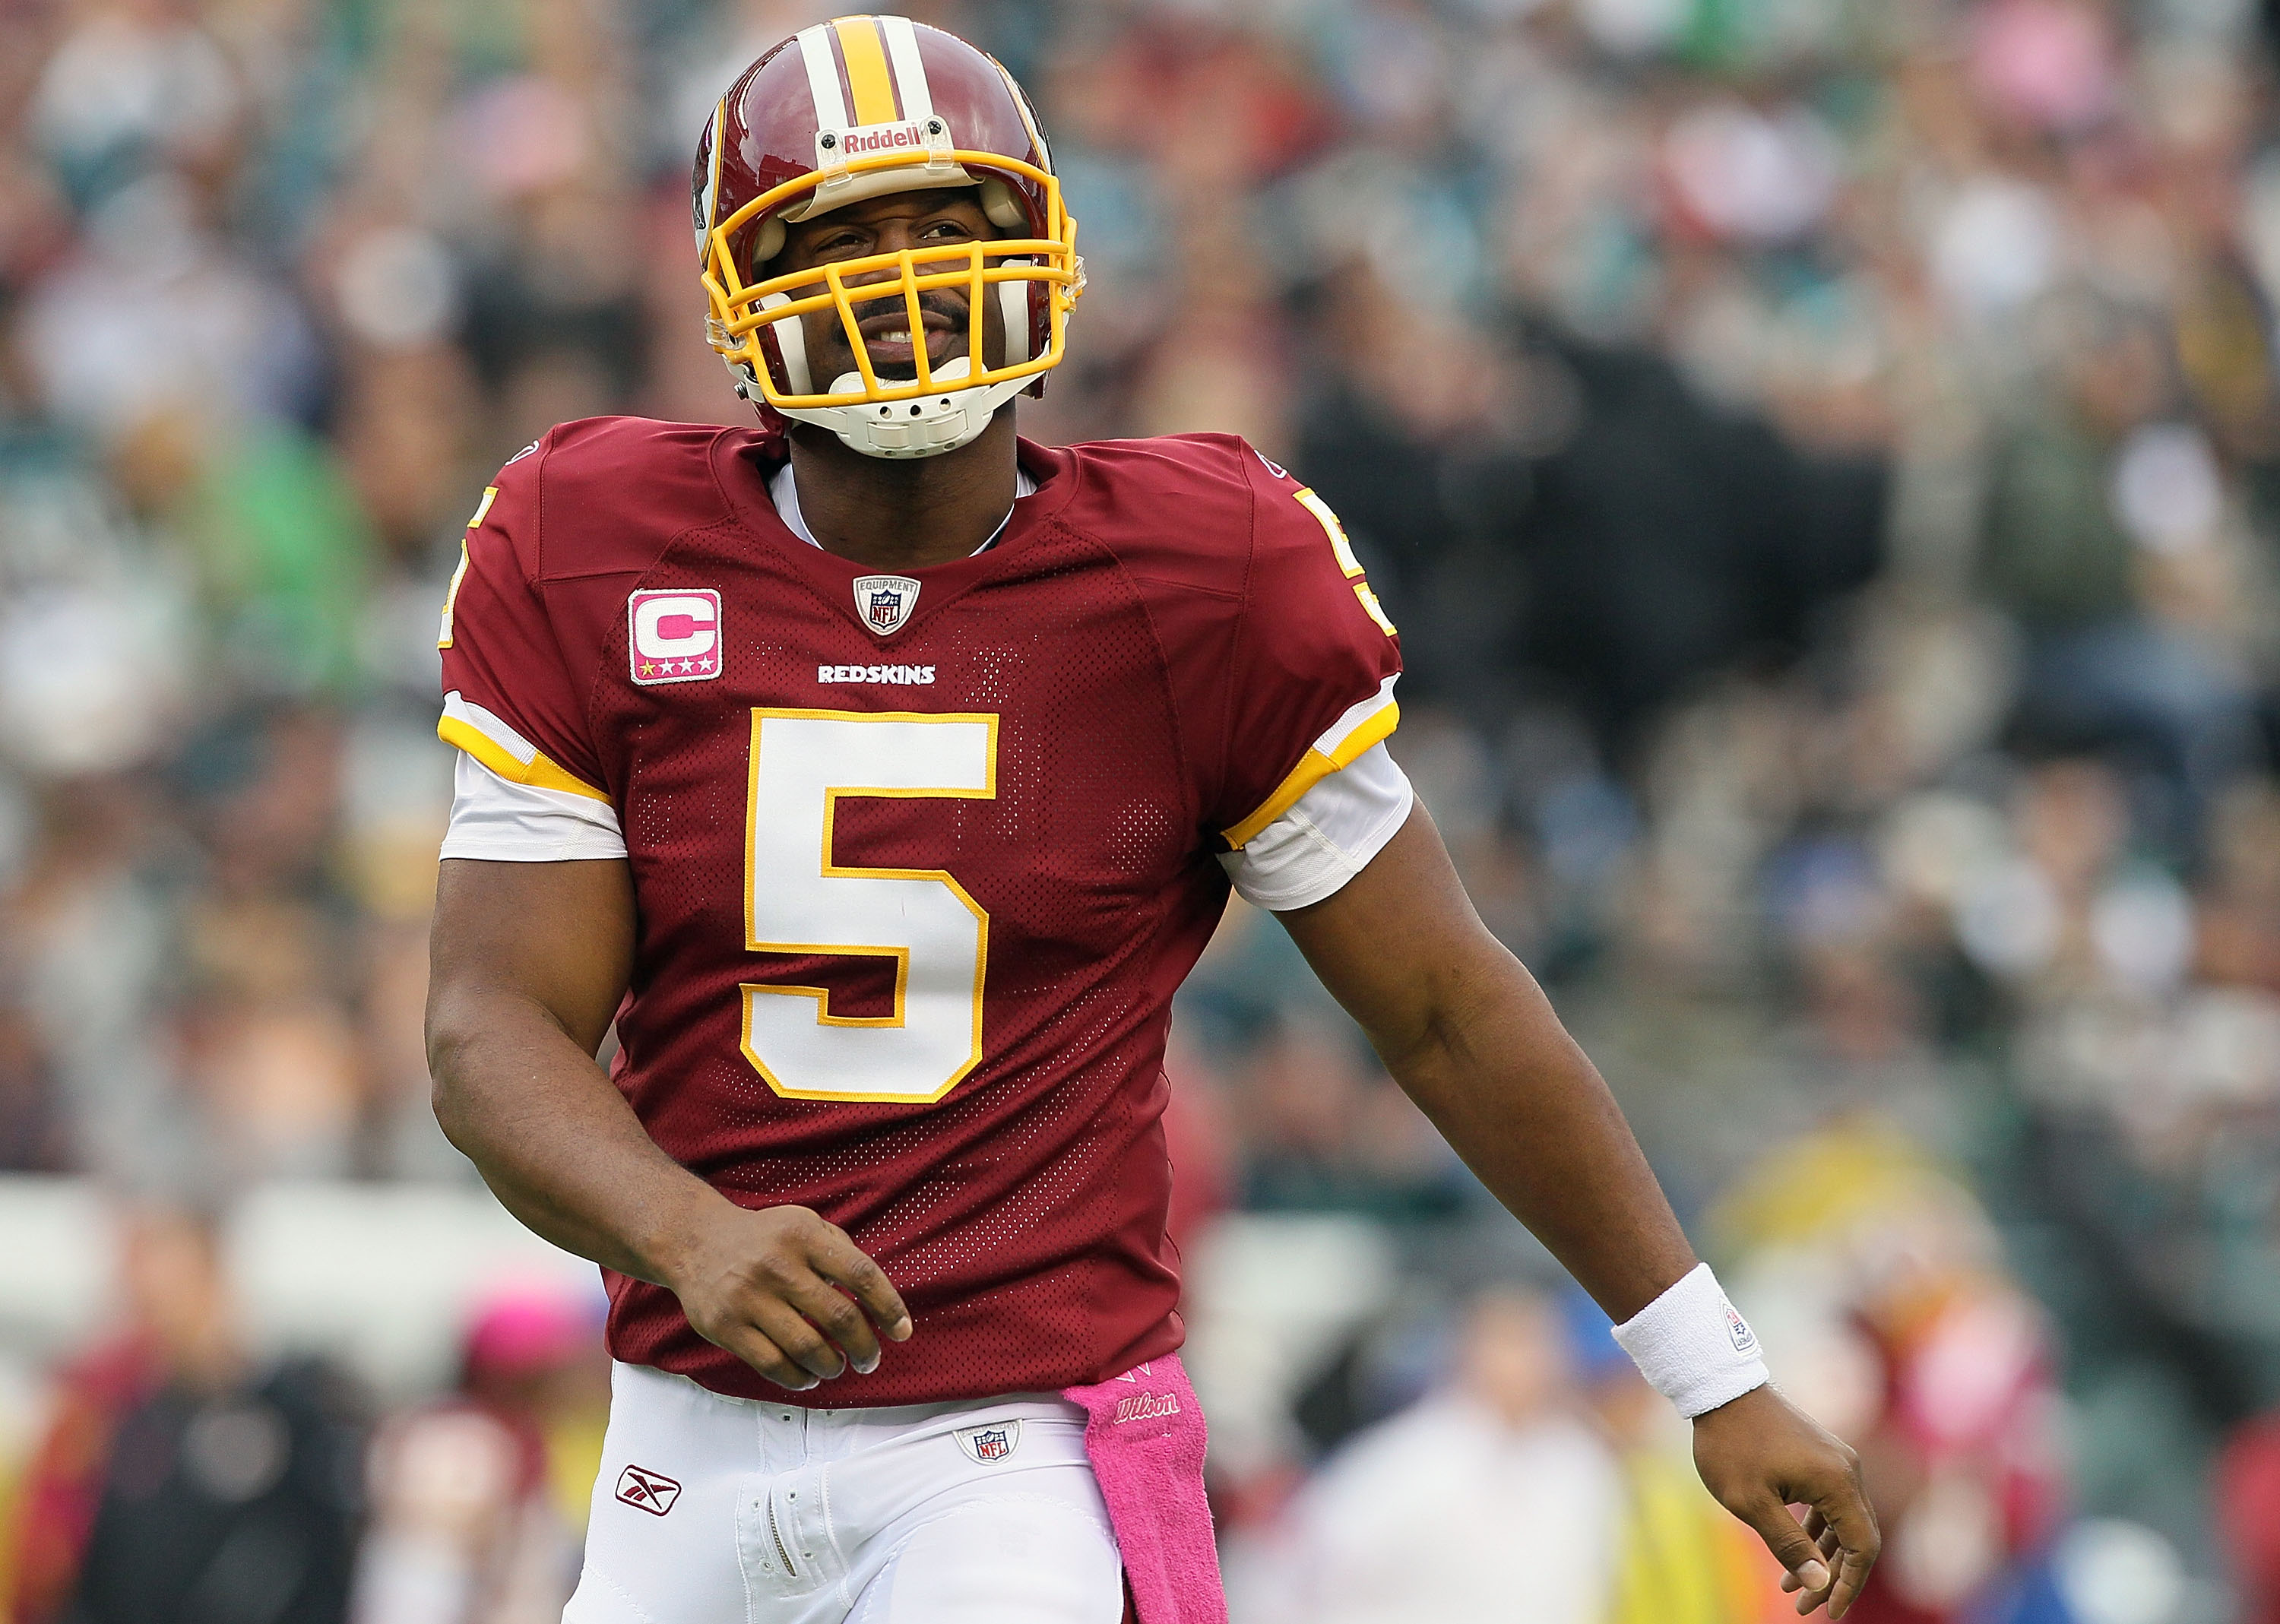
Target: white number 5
[{"x": 799, "y": 899}]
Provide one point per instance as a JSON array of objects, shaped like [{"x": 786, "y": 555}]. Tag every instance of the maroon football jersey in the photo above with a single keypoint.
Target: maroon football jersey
[{"x": 919, "y": 860}]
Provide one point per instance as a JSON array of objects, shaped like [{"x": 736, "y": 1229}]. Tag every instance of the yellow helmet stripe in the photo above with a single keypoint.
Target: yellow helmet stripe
[
  {"x": 822, "y": 77},
  {"x": 866, "y": 70},
  {"x": 910, "y": 70}
]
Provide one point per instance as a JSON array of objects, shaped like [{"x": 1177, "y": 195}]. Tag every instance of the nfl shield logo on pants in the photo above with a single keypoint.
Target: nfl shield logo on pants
[
  {"x": 885, "y": 601},
  {"x": 994, "y": 1442}
]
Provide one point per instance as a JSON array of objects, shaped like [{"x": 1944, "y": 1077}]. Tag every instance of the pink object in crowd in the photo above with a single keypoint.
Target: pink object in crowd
[{"x": 517, "y": 1329}]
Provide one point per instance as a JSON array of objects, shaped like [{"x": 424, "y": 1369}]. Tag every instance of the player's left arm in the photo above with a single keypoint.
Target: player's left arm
[{"x": 1469, "y": 1035}]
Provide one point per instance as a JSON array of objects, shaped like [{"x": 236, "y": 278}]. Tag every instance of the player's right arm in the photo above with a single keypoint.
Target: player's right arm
[
  {"x": 529, "y": 961},
  {"x": 531, "y": 952}
]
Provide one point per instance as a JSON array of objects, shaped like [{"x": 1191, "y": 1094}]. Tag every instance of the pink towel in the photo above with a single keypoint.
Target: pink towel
[{"x": 1145, "y": 1432}]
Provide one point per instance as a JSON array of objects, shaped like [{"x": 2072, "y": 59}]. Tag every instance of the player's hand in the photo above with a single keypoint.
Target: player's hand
[
  {"x": 1760, "y": 1455},
  {"x": 787, "y": 1293}
]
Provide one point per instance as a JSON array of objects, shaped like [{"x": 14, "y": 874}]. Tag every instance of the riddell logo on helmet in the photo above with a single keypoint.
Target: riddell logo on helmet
[{"x": 868, "y": 138}]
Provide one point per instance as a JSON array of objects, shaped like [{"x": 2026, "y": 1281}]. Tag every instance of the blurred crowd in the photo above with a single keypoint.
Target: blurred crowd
[{"x": 1824, "y": 457}]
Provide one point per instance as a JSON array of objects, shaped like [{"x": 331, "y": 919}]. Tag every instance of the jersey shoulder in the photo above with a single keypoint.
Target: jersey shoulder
[
  {"x": 606, "y": 495},
  {"x": 1179, "y": 508},
  {"x": 1280, "y": 659},
  {"x": 1210, "y": 512}
]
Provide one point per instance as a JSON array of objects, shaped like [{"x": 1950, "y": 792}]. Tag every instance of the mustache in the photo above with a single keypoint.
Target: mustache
[{"x": 933, "y": 302}]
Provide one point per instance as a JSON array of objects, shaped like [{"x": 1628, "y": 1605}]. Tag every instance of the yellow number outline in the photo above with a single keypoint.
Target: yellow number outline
[
  {"x": 1343, "y": 546},
  {"x": 452, "y": 593}
]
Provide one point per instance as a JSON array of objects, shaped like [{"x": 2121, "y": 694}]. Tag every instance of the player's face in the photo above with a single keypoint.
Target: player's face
[{"x": 886, "y": 225}]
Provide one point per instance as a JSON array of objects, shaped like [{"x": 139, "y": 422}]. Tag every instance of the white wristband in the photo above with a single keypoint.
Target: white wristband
[{"x": 1692, "y": 1347}]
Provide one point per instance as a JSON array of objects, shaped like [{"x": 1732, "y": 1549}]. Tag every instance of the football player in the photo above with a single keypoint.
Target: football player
[{"x": 880, "y": 775}]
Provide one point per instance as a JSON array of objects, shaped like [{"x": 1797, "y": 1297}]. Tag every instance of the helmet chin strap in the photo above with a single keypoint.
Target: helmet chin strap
[{"x": 905, "y": 429}]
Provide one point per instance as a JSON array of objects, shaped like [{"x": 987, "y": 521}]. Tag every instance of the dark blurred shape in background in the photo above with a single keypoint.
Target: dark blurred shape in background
[{"x": 182, "y": 1477}]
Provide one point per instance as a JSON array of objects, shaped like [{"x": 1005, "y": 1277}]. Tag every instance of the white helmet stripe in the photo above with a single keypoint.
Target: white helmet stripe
[
  {"x": 1028, "y": 119},
  {"x": 823, "y": 77},
  {"x": 909, "y": 72},
  {"x": 711, "y": 203}
]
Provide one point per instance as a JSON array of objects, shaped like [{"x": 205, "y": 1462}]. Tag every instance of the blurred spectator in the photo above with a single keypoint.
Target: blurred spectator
[
  {"x": 1876, "y": 1276},
  {"x": 1494, "y": 1489},
  {"x": 1679, "y": 1557},
  {"x": 2248, "y": 1499},
  {"x": 183, "y": 1478},
  {"x": 479, "y": 1498}
]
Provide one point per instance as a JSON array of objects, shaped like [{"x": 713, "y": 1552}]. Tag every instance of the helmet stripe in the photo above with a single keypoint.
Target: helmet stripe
[
  {"x": 822, "y": 77},
  {"x": 1028, "y": 119},
  {"x": 909, "y": 72},
  {"x": 866, "y": 70},
  {"x": 712, "y": 180}
]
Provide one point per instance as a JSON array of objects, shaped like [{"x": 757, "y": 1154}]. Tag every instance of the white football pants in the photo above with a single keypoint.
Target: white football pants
[{"x": 729, "y": 1511}]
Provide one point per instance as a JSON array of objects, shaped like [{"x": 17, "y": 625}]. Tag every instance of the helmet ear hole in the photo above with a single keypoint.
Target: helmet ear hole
[
  {"x": 767, "y": 243},
  {"x": 1002, "y": 207}
]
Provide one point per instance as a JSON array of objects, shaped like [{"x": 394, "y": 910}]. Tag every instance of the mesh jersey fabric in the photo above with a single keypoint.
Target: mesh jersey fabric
[{"x": 1152, "y": 655}]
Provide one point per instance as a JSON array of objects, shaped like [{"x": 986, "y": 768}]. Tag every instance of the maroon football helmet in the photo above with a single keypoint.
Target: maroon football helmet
[{"x": 854, "y": 109}]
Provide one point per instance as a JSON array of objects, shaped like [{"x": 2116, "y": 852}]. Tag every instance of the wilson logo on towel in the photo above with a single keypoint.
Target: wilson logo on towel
[{"x": 1145, "y": 1407}]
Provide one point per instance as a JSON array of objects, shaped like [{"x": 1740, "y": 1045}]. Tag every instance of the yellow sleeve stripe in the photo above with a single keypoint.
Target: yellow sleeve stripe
[
  {"x": 484, "y": 736},
  {"x": 1338, "y": 748},
  {"x": 538, "y": 772}
]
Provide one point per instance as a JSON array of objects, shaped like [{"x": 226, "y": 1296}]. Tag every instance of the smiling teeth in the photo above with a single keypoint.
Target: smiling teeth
[{"x": 900, "y": 336}]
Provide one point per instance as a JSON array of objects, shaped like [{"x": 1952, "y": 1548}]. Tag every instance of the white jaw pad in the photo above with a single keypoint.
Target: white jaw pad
[
  {"x": 791, "y": 342},
  {"x": 1014, "y": 310}
]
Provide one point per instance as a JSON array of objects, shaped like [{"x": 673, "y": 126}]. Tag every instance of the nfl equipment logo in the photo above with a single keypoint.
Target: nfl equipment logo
[
  {"x": 647, "y": 1491},
  {"x": 994, "y": 1442},
  {"x": 884, "y": 602}
]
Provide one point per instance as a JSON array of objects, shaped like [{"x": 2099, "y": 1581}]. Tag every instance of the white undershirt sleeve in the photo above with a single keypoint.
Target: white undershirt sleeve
[
  {"x": 1327, "y": 837},
  {"x": 502, "y": 821}
]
